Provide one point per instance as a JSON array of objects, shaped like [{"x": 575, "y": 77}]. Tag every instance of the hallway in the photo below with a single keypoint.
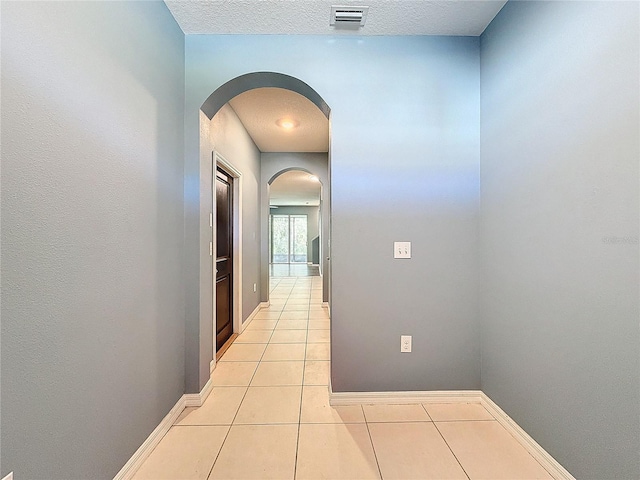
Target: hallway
[{"x": 268, "y": 416}]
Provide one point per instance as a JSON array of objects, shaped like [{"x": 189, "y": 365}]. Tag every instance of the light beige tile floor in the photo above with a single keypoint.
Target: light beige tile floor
[{"x": 268, "y": 416}]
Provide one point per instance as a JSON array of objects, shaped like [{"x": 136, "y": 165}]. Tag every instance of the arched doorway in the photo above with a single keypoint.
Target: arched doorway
[
  {"x": 248, "y": 284},
  {"x": 296, "y": 237},
  {"x": 251, "y": 81}
]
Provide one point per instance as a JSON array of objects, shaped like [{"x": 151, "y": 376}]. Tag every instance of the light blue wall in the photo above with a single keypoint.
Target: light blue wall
[
  {"x": 404, "y": 166},
  {"x": 560, "y": 209},
  {"x": 92, "y": 233}
]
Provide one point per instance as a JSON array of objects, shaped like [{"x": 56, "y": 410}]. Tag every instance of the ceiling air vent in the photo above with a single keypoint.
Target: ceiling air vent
[{"x": 348, "y": 16}]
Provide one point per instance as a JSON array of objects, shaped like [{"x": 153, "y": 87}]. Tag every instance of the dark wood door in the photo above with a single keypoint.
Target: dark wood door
[{"x": 224, "y": 257}]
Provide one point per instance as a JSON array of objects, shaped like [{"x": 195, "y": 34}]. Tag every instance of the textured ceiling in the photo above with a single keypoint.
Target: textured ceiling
[
  {"x": 311, "y": 17},
  {"x": 261, "y": 108},
  {"x": 294, "y": 188}
]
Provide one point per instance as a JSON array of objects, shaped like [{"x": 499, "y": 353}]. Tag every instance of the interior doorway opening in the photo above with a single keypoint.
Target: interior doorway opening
[
  {"x": 220, "y": 114},
  {"x": 296, "y": 235}
]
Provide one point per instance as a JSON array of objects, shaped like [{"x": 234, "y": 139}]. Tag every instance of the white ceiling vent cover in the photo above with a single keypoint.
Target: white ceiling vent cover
[{"x": 348, "y": 16}]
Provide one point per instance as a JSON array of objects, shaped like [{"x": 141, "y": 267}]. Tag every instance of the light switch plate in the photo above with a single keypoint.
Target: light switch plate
[{"x": 401, "y": 249}]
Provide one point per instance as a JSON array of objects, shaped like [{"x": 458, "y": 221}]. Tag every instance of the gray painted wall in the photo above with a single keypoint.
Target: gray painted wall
[
  {"x": 560, "y": 332},
  {"x": 316, "y": 163},
  {"x": 404, "y": 166},
  {"x": 92, "y": 233},
  {"x": 231, "y": 140},
  {"x": 313, "y": 217},
  {"x": 92, "y": 196},
  {"x": 225, "y": 134}
]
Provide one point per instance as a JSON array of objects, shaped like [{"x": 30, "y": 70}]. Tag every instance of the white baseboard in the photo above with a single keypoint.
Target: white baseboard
[
  {"x": 540, "y": 454},
  {"x": 457, "y": 396},
  {"x": 259, "y": 307},
  {"x": 404, "y": 398},
  {"x": 243, "y": 325},
  {"x": 137, "y": 459},
  {"x": 326, "y": 305},
  {"x": 151, "y": 442},
  {"x": 197, "y": 399},
  {"x": 9, "y": 476}
]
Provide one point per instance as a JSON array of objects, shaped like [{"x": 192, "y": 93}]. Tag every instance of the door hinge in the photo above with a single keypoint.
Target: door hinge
[{"x": 211, "y": 249}]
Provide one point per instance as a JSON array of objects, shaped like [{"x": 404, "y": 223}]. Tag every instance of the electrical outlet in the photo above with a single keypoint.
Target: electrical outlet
[
  {"x": 401, "y": 249},
  {"x": 405, "y": 343}
]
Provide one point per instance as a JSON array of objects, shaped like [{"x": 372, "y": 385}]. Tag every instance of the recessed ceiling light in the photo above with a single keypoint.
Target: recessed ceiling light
[{"x": 287, "y": 123}]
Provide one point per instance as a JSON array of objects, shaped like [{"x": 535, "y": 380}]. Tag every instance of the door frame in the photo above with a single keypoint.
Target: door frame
[{"x": 217, "y": 160}]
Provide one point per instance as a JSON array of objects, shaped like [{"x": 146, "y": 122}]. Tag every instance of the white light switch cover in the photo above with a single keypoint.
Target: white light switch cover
[{"x": 401, "y": 249}]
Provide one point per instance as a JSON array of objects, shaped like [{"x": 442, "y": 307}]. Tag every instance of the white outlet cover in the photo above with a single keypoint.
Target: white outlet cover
[
  {"x": 405, "y": 343},
  {"x": 401, "y": 249}
]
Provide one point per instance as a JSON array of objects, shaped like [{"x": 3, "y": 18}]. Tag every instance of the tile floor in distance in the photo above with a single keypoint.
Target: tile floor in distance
[{"x": 268, "y": 416}]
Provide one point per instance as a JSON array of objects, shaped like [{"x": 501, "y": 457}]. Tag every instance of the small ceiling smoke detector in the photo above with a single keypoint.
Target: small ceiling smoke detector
[{"x": 348, "y": 16}]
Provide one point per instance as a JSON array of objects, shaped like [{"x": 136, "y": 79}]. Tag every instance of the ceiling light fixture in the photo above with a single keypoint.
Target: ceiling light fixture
[{"x": 287, "y": 123}]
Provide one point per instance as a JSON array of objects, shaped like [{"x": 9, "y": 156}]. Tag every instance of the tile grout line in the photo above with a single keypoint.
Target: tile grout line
[
  {"x": 221, "y": 447},
  {"x": 260, "y": 361},
  {"x": 239, "y": 405},
  {"x": 304, "y": 365},
  {"x": 295, "y": 466},
  {"x": 236, "y": 414},
  {"x": 373, "y": 447},
  {"x": 242, "y": 400},
  {"x": 427, "y": 412},
  {"x": 450, "y": 449}
]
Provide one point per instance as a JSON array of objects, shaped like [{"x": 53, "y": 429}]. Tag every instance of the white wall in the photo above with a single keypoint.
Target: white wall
[{"x": 560, "y": 224}]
